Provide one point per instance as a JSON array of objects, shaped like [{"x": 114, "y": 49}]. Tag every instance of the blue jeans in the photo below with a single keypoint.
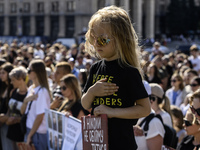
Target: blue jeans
[{"x": 39, "y": 140}]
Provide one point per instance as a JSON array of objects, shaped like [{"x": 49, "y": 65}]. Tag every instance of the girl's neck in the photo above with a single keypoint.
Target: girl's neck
[
  {"x": 175, "y": 88},
  {"x": 156, "y": 109},
  {"x": 196, "y": 139},
  {"x": 36, "y": 83}
]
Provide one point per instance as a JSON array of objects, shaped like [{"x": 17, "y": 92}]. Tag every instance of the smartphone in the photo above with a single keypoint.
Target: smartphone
[{"x": 61, "y": 97}]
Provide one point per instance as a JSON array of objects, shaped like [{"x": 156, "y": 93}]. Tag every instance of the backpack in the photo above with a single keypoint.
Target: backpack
[{"x": 170, "y": 138}]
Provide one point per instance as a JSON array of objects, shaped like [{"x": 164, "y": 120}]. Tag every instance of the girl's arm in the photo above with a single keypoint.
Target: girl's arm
[
  {"x": 100, "y": 88},
  {"x": 141, "y": 109},
  {"x": 36, "y": 124},
  {"x": 155, "y": 143}
]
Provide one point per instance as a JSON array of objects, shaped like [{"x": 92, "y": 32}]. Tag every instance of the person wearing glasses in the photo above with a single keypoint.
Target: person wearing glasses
[
  {"x": 195, "y": 83},
  {"x": 115, "y": 86},
  {"x": 38, "y": 99},
  {"x": 176, "y": 93},
  {"x": 71, "y": 90},
  {"x": 191, "y": 125},
  {"x": 156, "y": 98}
]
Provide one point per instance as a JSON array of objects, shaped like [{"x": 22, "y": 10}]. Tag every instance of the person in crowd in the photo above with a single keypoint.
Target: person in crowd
[
  {"x": 75, "y": 71},
  {"x": 177, "y": 117},
  {"x": 82, "y": 77},
  {"x": 18, "y": 80},
  {"x": 38, "y": 99},
  {"x": 153, "y": 74},
  {"x": 156, "y": 98},
  {"x": 80, "y": 63},
  {"x": 195, "y": 60},
  {"x": 155, "y": 50},
  {"x": 153, "y": 139},
  {"x": 4, "y": 100},
  {"x": 191, "y": 141},
  {"x": 195, "y": 83},
  {"x": 106, "y": 90},
  {"x": 176, "y": 93},
  {"x": 62, "y": 69},
  {"x": 188, "y": 75},
  {"x": 163, "y": 74},
  {"x": 71, "y": 90}
]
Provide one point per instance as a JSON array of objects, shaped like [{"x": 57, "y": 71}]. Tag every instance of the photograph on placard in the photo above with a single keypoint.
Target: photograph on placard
[
  {"x": 60, "y": 122},
  {"x": 54, "y": 117},
  {"x": 56, "y": 142},
  {"x": 49, "y": 119},
  {"x": 60, "y": 140},
  {"x": 50, "y": 139}
]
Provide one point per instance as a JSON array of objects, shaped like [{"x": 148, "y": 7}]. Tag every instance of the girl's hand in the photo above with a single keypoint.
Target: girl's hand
[
  {"x": 30, "y": 98},
  {"x": 138, "y": 131},
  {"x": 3, "y": 118},
  {"x": 56, "y": 103},
  {"x": 103, "y": 109},
  {"x": 103, "y": 88}
]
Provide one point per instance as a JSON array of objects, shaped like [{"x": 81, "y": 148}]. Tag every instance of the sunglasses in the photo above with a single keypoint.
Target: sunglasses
[
  {"x": 187, "y": 123},
  {"x": 173, "y": 81},
  {"x": 29, "y": 70},
  {"x": 153, "y": 98},
  {"x": 63, "y": 88},
  {"x": 193, "y": 85},
  {"x": 195, "y": 110},
  {"x": 101, "y": 40}
]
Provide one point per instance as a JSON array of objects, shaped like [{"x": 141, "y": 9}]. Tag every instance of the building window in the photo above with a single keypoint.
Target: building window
[
  {"x": 1, "y": 8},
  {"x": 13, "y": 7},
  {"x": 26, "y": 7},
  {"x": 40, "y": 7},
  {"x": 101, "y": 4},
  {"x": 13, "y": 26},
  {"x": 117, "y": 3},
  {"x": 54, "y": 6},
  {"x": 1, "y": 25},
  {"x": 54, "y": 27},
  {"x": 39, "y": 25},
  {"x": 70, "y": 26},
  {"x": 26, "y": 26},
  {"x": 71, "y": 6}
]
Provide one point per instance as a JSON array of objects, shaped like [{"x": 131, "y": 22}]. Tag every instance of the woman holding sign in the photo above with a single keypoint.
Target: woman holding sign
[
  {"x": 71, "y": 89},
  {"x": 115, "y": 84}
]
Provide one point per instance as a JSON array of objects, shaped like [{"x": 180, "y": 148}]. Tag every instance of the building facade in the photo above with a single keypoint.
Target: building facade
[{"x": 69, "y": 18}]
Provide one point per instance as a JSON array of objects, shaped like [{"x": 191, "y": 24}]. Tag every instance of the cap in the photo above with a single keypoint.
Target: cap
[{"x": 156, "y": 90}]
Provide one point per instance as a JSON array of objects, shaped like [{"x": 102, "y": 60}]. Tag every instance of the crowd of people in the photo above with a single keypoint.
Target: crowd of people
[{"x": 35, "y": 77}]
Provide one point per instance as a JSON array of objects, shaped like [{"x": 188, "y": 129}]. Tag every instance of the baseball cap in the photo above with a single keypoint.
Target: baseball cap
[{"x": 156, "y": 90}]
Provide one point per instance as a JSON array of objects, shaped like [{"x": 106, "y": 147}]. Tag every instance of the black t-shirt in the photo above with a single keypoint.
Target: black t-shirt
[
  {"x": 131, "y": 88},
  {"x": 14, "y": 131}
]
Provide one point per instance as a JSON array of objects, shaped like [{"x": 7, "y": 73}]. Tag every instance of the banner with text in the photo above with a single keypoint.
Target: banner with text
[{"x": 95, "y": 132}]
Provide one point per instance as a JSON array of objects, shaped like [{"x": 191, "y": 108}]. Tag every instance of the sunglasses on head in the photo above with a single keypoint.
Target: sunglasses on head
[
  {"x": 29, "y": 70},
  {"x": 101, "y": 40},
  {"x": 187, "y": 123},
  {"x": 193, "y": 85},
  {"x": 195, "y": 110},
  {"x": 63, "y": 88}
]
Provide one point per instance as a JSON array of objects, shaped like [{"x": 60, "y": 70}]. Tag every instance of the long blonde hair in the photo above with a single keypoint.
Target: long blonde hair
[{"x": 121, "y": 29}]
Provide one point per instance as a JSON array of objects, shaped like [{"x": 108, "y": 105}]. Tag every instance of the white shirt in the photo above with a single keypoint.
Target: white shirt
[
  {"x": 38, "y": 107},
  {"x": 166, "y": 118},
  {"x": 195, "y": 61},
  {"x": 155, "y": 128}
]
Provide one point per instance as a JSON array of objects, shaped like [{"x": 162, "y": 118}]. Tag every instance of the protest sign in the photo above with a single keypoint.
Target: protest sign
[
  {"x": 95, "y": 132},
  {"x": 64, "y": 132},
  {"x": 24, "y": 146},
  {"x": 72, "y": 133}
]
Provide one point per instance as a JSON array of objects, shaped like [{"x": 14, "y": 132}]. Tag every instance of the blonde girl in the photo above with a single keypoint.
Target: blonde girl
[{"x": 114, "y": 86}]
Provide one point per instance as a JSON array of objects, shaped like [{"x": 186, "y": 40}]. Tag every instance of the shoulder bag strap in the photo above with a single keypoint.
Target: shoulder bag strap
[{"x": 31, "y": 103}]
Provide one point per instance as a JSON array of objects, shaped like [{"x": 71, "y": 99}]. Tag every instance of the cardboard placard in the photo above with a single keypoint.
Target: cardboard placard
[
  {"x": 24, "y": 146},
  {"x": 95, "y": 132}
]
